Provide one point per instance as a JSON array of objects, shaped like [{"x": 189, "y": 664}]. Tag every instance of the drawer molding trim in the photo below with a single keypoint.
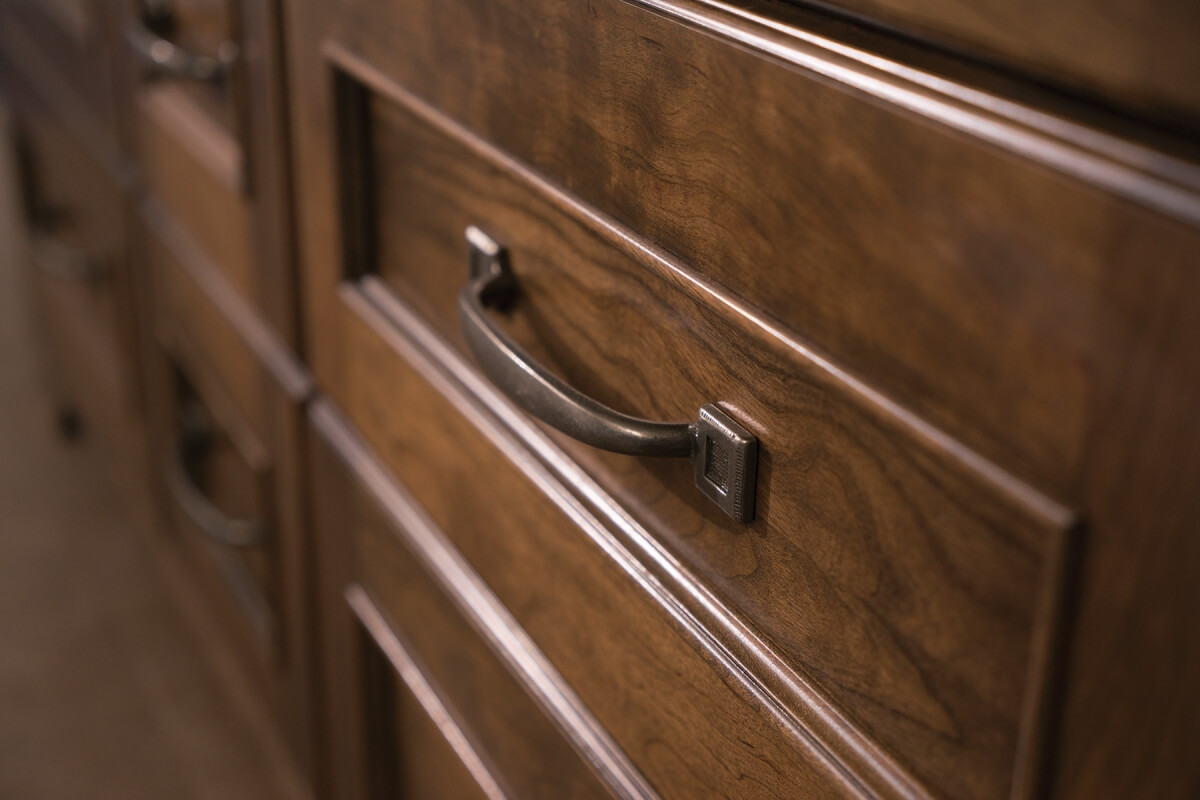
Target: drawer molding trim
[
  {"x": 481, "y": 608},
  {"x": 764, "y": 675},
  {"x": 377, "y": 627}
]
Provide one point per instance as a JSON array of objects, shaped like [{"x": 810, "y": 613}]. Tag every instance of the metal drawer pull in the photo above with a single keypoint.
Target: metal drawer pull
[
  {"x": 165, "y": 57},
  {"x": 724, "y": 455},
  {"x": 212, "y": 521},
  {"x": 60, "y": 260}
]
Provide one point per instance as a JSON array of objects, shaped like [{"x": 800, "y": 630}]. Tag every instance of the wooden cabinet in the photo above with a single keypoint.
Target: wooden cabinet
[
  {"x": 907, "y": 279},
  {"x": 658, "y": 398}
]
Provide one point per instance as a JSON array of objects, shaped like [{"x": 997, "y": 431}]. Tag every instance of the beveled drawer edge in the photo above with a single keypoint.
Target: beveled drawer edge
[
  {"x": 370, "y": 617},
  {"x": 684, "y": 278},
  {"x": 1153, "y": 179},
  {"x": 762, "y": 673},
  {"x": 270, "y": 350},
  {"x": 480, "y": 606}
]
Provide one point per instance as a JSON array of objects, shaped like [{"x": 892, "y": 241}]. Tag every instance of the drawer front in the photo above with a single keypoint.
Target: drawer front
[
  {"x": 761, "y": 168},
  {"x": 218, "y": 476},
  {"x": 915, "y": 588},
  {"x": 228, "y": 435},
  {"x": 641, "y": 696},
  {"x": 209, "y": 131},
  {"x": 424, "y": 625}
]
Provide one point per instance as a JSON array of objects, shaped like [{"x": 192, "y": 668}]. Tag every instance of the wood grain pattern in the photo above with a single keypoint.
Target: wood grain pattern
[
  {"x": 844, "y": 492},
  {"x": 1012, "y": 277},
  {"x": 1132, "y": 54},
  {"x": 425, "y": 752},
  {"x": 851, "y": 244},
  {"x": 600, "y": 624},
  {"x": 516, "y": 739},
  {"x": 658, "y": 695},
  {"x": 200, "y": 314}
]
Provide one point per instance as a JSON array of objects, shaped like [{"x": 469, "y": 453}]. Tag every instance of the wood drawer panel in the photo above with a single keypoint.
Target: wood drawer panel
[
  {"x": 424, "y": 753},
  {"x": 812, "y": 205},
  {"x": 666, "y": 694},
  {"x": 915, "y": 586},
  {"x": 371, "y": 555},
  {"x": 231, "y": 472},
  {"x": 214, "y": 353},
  {"x": 195, "y": 169}
]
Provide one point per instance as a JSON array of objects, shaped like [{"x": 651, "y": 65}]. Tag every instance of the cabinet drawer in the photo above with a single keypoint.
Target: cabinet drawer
[
  {"x": 914, "y": 584},
  {"x": 427, "y": 627},
  {"x": 228, "y": 406},
  {"x": 209, "y": 140},
  {"x": 966, "y": 255},
  {"x": 642, "y": 696}
]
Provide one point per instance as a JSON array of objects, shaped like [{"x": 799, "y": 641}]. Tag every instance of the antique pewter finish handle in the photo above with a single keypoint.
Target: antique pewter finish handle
[
  {"x": 724, "y": 455},
  {"x": 165, "y": 57},
  {"x": 213, "y": 522},
  {"x": 60, "y": 260}
]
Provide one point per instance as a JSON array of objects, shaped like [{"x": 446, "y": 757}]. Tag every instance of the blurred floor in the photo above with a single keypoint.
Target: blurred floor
[{"x": 104, "y": 692}]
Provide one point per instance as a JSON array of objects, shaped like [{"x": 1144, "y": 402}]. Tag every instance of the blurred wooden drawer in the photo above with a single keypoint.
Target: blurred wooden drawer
[
  {"x": 209, "y": 127},
  {"x": 406, "y": 619},
  {"x": 953, "y": 249},
  {"x": 488, "y": 540},
  {"x": 228, "y": 406},
  {"x": 898, "y": 577}
]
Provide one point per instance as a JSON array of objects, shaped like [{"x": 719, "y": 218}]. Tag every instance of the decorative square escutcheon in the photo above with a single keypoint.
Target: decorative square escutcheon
[{"x": 726, "y": 462}]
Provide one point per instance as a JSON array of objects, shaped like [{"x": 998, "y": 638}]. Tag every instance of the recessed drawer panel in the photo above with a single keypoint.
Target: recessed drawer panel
[
  {"x": 913, "y": 582},
  {"x": 228, "y": 400},
  {"x": 405, "y": 587},
  {"x": 965, "y": 254}
]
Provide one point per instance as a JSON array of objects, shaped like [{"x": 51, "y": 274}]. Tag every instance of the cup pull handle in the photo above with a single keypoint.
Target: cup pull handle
[{"x": 724, "y": 455}]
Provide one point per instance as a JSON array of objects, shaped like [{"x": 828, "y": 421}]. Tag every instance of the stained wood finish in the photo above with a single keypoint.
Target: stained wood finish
[
  {"x": 674, "y": 712},
  {"x": 216, "y": 155},
  {"x": 1015, "y": 278},
  {"x": 1135, "y": 54},
  {"x": 195, "y": 169},
  {"x": 506, "y": 743},
  {"x": 255, "y": 391},
  {"x": 851, "y": 243},
  {"x": 421, "y": 750},
  {"x": 931, "y": 528}
]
